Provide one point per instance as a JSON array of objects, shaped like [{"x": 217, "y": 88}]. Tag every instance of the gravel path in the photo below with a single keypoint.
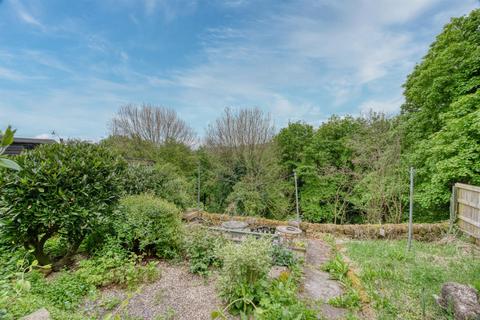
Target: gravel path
[{"x": 177, "y": 294}]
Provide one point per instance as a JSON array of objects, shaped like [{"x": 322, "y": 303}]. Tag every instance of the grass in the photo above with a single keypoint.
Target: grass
[{"x": 401, "y": 284}]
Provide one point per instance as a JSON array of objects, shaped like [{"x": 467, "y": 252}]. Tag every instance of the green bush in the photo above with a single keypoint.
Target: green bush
[
  {"x": 203, "y": 250},
  {"x": 281, "y": 302},
  {"x": 163, "y": 181},
  {"x": 281, "y": 256},
  {"x": 63, "y": 189},
  {"x": 150, "y": 225},
  {"x": 114, "y": 265},
  {"x": 244, "y": 274},
  {"x": 24, "y": 291}
]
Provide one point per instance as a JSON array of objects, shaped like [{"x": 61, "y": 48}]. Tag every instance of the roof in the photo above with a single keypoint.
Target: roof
[
  {"x": 31, "y": 141},
  {"x": 21, "y": 144}
]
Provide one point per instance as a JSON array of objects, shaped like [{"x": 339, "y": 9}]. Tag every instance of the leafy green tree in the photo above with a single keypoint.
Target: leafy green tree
[
  {"x": 62, "y": 190},
  {"x": 451, "y": 154},
  {"x": 441, "y": 98},
  {"x": 380, "y": 177},
  {"x": 450, "y": 70},
  {"x": 164, "y": 181},
  {"x": 292, "y": 142},
  {"x": 326, "y": 171}
]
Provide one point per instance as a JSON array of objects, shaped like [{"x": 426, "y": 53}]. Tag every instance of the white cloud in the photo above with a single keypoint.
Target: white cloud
[
  {"x": 387, "y": 106},
  {"x": 25, "y": 15}
]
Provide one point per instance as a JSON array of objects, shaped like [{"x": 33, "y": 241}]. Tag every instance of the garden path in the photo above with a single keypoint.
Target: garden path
[{"x": 318, "y": 285}]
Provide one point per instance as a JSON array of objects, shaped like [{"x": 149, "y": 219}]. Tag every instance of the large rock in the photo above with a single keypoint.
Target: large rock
[
  {"x": 40, "y": 314},
  {"x": 461, "y": 299}
]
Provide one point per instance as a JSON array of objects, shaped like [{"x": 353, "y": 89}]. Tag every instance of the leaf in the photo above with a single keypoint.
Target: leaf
[
  {"x": 9, "y": 164},
  {"x": 7, "y": 137},
  {"x": 216, "y": 314}
]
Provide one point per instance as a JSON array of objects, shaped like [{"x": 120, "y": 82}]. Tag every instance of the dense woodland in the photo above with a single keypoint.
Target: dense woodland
[{"x": 350, "y": 168}]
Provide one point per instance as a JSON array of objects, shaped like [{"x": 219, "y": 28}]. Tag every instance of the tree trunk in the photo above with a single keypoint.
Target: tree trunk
[
  {"x": 67, "y": 259},
  {"x": 42, "y": 258}
]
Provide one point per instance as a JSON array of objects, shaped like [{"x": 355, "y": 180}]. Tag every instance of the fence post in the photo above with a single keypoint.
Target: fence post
[
  {"x": 410, "y": 211},
  {"x": 296, "y": 195},
  {"x": 453, "y": 206},
  {"x": 198, "y": 187}
]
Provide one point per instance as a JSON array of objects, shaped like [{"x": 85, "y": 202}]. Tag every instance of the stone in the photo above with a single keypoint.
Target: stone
[
  {"x": 40, "y": 314},
  {"x": 277, "y": 271},
  {"x": 461, "y": 299}
]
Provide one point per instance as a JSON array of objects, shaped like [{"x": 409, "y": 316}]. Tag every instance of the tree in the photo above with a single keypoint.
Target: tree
[
  {"x": 326, "y": 171},
  {"x": 450, "y": 69},
  {"x": 380, "y": 177},
  {"x": 437, "y": 93},
  {"x": 451, "y": 154},
  {"x": 241, "y": 135},
  {"x": 151, "y": 123},
  {"x": 292, "y": 142},
  {"x": 63, "y": 190}
]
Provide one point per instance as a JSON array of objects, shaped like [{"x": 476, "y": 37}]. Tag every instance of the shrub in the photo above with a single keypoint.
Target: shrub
[
  {"x": 281, "y": 302},
  {"x": 114, "y": 265},
  {"x": 203, "y": 250},
  {"x": 244, "y": 274},
  {"x": 282, "y": 256},
  {"x": 161, "y": 180},
  {"x": 63, "y": 189},
  {"x": 150, "y": 225}
]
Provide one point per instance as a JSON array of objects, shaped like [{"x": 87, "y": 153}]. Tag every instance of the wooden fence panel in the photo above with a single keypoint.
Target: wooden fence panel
[{"x": 466, "y": 208}]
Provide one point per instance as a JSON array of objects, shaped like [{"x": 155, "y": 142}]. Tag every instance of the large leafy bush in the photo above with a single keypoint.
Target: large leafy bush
[
  {"x": 203, "y": 249},
  {"x": 151, "y": 225},
  {"x": 161, "y": 180},
  {"x": 244, "y": 274},
  {"x": 63, "y": 189}
]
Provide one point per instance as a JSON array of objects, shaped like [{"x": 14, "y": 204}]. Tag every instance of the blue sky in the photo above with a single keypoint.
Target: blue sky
[{"x": 68, "y": 65}]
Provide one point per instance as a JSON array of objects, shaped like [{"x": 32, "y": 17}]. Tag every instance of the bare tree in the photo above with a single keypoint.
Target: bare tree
[
  {"x": 243, "y": 132},
  {"x": 151, "y": 123}
]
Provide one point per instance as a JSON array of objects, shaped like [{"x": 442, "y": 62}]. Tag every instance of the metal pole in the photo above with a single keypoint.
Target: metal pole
[
  {"x": 410, "y": 211},
  {"x": 453, "y": 206},
  {"x": 296, "y": 195},
  {"x": 198, "y": 187}
]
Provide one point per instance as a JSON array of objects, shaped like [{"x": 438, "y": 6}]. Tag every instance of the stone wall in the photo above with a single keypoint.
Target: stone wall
[{"x": 421, "y": 231}]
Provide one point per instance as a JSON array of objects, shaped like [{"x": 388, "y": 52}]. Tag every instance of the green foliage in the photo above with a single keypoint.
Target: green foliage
[
  {"x": 337, "y": 267},
  {"x": 151, "y": 225},
  {"x": 6, "y": 139},
  {"x": 161, "y": 180},
  {"x": 451, "y": 154},
  {"x": 24, "y": 291},
  {"x": 64, "y": 189},
  {"x": 170, "y": 152},
  {"x": 292, "y": 142},
  {"x": 203, "y": 250},
  {"x": 326, "y": 172},
  {"x": 282, "y": 256},
  {"x": 66, "y": 292},
  {"x": 114, "y": 265},
  {"x": 281, "y": 302},
  {"x": 244, "y": 274},
  {"x": 440, "y": 115},
  {"x": 401, "y": 284},
  {"x": 350, "y": 299}
]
